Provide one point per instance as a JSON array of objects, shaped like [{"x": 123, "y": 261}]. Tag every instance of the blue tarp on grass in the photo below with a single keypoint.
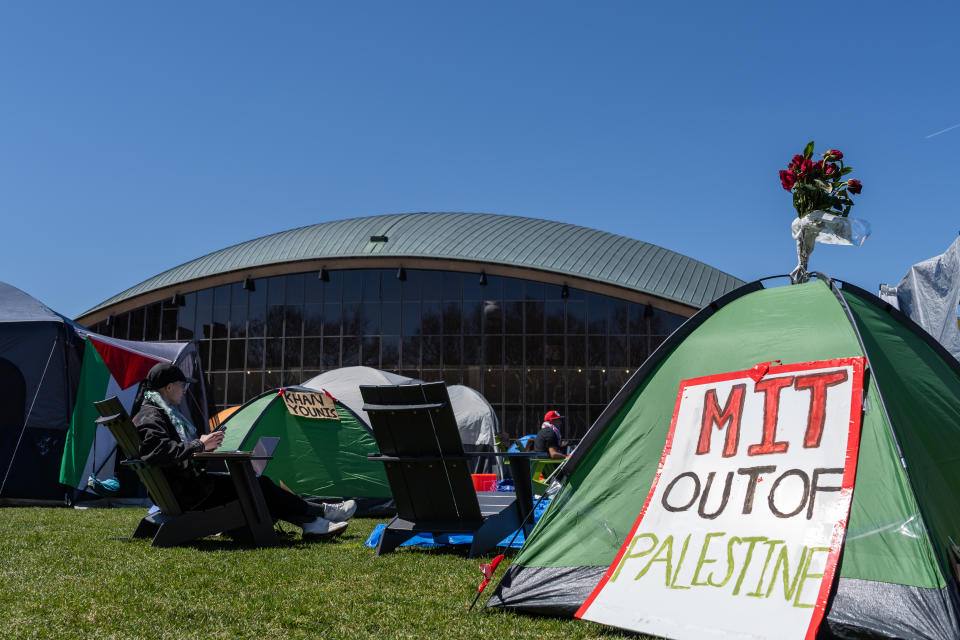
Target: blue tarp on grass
[{"x": 447, "y": 539}]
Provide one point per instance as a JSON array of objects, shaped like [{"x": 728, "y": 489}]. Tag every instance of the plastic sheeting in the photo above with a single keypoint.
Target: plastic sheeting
[
  {"x": 825, "y": 228},
  {"x": 863, "y": 608},
  {"x": 430, "y": 540},
  {"x": 425, "y": 539},
  {"x": 929, "y": 294},
  {"x": 546, "y": 590},
  {"x": 858, "y": 609}
]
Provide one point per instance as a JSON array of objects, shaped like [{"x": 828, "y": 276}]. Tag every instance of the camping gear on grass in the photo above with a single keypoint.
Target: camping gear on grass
[
  {"x": 108, "y": 488},
  {"x": 896, "y": 576},
  {"x": 512, "y": 541}
]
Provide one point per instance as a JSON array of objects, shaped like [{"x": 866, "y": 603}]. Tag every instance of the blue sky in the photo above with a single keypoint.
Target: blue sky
[{"x": 138, "y": 136}]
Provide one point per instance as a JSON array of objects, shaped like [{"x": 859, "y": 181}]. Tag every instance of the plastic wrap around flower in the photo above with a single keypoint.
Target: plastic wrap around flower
[{"x": 825, "y": 228}]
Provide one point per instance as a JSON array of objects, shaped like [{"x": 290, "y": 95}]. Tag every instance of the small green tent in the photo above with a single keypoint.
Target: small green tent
[
  {"x": 322, "y": 450},
  {"x": 896, "y": 575}
]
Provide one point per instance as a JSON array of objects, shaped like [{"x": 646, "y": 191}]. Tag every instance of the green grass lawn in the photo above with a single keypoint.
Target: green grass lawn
[{"x": 61, "y": 577}]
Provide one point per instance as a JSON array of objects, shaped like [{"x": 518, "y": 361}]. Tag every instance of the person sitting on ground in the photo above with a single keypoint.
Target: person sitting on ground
[
  {"x": 547, "y": 443},
  {"x": 169, "y": 439}
]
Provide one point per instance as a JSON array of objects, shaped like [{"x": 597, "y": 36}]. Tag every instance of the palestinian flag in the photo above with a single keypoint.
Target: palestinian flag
[{"x": 109, "y": 369}]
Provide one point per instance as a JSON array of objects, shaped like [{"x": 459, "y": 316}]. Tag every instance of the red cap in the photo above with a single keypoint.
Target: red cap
[{"x": 552, "y": 415}]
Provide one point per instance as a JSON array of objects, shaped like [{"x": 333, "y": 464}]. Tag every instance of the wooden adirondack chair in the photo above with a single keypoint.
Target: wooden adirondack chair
[{"x": 173, "y": 525}]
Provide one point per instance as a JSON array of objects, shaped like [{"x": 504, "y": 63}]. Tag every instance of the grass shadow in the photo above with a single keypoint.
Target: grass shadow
[
  {"x": 227, "y": 542},
  {"x": 455, "y": 550}
]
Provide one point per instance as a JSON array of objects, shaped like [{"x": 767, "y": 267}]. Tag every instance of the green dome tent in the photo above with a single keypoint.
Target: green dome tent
[
  {"x": 896, "y": 573},
  {"x": 323, "y": 445}
]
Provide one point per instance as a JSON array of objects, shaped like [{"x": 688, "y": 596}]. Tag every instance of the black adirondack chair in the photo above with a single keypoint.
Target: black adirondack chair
[
  {"x": 426, "y": 466},
  {"x": 173, "y": 525}
]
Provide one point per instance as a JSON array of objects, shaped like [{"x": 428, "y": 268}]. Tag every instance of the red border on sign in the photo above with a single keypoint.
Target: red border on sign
[{"x": 846, "y": 492}]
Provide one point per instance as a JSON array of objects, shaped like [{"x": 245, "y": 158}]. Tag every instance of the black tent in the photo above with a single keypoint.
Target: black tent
[
  {"x": 40, "y": 356},
  {"x": 43, "y": 358}
]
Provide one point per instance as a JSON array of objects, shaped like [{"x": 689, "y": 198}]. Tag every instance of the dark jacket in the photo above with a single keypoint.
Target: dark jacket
[
  {"x": 545, "y": 439},
  {"x": 161, "y": 446}
]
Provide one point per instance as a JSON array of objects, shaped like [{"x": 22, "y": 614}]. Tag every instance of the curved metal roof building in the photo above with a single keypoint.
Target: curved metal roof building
[
  {"x": 534, "y": 314},
  {"x": 509, "y": 245}
]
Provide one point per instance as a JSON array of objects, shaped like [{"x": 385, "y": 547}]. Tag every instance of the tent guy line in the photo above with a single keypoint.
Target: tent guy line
[{"x": 26, "y": 419}]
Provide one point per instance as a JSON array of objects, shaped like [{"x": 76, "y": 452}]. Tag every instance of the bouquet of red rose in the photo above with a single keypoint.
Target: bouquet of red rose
[{"x": 819, "y": 185}]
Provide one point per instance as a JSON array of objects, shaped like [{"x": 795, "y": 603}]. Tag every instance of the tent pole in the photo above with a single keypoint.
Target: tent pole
[
  {"x": 947, "y": 572},
  {"x": 863, "y": 348},
  {"x": 97, "y": 471}
]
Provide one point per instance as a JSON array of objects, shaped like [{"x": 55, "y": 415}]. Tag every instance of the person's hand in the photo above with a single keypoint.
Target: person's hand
[{"x": 211, "y": 440}]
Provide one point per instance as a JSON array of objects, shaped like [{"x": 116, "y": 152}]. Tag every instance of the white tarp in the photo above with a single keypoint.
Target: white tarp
[
  {"x": 930, "y": 294},
  {"x": 741, "y": 531},
  {"x": 476, "y": 419}
]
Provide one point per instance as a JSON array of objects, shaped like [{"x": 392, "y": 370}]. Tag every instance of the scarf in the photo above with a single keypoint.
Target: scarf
[
  {"x": 555, "y": 430},
  {"x": 184, "y": 427}
]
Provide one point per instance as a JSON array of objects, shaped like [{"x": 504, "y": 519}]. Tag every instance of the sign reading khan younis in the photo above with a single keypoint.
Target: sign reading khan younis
[
  {"x": 740, "y": 532},
  {"x": 308, "y": 404}
]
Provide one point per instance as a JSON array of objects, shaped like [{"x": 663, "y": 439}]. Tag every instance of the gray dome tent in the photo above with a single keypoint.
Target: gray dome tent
[{"x": 476, "y": 419}]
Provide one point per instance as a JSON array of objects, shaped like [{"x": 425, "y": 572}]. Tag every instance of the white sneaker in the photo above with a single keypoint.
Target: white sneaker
[
  {"x": 319, "y": 528},
  {"x": 339, "y": 511}
]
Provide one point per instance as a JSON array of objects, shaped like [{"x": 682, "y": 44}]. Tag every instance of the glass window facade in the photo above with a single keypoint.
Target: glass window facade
[{"x": 526, "y": 345}]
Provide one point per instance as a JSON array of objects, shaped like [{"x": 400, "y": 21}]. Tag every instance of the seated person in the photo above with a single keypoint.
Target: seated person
[
  {"x": 547, "y": 442},
  {"x": 170, "y": 439}
]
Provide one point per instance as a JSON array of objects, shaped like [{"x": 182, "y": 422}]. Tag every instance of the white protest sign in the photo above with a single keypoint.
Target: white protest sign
[
  {"x": 740, "y": 532},
  {"x": 309, "y": 404}
]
